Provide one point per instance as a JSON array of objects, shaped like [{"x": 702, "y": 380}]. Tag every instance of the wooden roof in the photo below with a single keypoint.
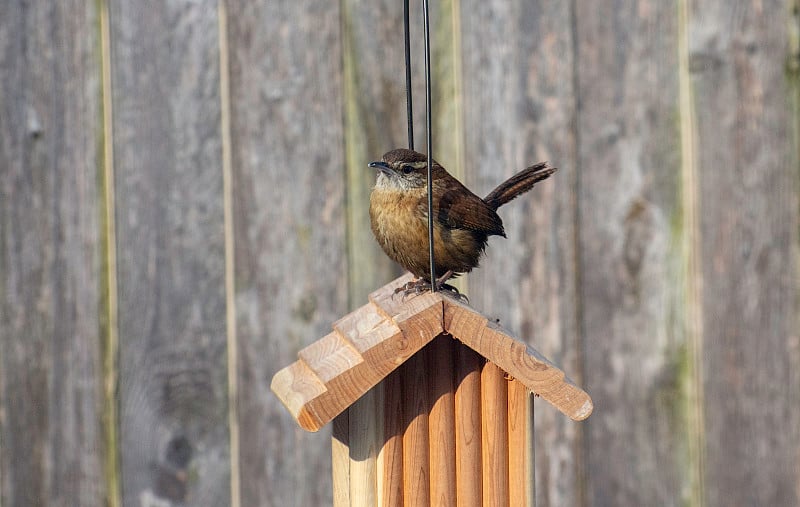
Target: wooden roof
[{"x": 371, "y": 342}]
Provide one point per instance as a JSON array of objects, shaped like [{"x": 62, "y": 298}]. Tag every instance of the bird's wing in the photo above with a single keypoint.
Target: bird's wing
[{"x": 461, "y": 209}]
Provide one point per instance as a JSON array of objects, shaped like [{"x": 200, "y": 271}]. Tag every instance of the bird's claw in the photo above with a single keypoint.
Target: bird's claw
[{"x": 454, "y": 293}]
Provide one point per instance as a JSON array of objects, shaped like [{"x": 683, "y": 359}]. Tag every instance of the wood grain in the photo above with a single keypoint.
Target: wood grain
[
  {"x": 521, "y": 473},
  {"x": 364, "y": 445},
  {"x": 375, "y": 122},
  {"x": 390, "y": 454},
  {"x": 52, "y": 302},
  {"x": 442, "y": 423},
  {"x": 494, "y": 436},
  {"x": 416, "y": 440},
  {"x": 366, "y": 346},
  {"x": 630, "y": 241},
  {"x": 169, "y": 196},
  {"x": 340, "y": 459},
  {"x": 289, "y": 227},
  {"x": 520, "y": 108},
  {"x": 467, "y": 399},
  {"x": 746, "y": 113},
  {"x": 522, "y": 362},
  {"x": 371, "y": 342}
]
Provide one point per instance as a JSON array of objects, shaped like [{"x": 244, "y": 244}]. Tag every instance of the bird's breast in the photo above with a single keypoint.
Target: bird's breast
[
  {"x": 400, "y": 226},
  {"x": 396, "y": 220}
]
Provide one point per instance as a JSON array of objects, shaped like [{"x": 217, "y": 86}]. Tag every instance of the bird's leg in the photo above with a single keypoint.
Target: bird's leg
[
  {"x": 446, "y": 287},
  {"x": 440, "y": 281}
]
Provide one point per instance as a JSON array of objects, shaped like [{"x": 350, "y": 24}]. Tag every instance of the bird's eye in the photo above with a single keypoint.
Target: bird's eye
[{"x": 407, "y": 169}]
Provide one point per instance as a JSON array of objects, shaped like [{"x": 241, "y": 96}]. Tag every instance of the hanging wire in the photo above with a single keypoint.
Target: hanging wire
[
  {"x": 429, "y": 132},
  {"x": 409, "y": 108},
  {"x": 428, "y": 116}
]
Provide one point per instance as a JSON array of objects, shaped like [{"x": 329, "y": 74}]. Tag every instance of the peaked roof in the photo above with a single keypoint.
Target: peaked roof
[{"x": 371, "y": 342}]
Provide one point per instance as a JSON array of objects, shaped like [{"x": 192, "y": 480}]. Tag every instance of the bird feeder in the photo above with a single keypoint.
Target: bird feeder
[{"x": 431, "y": 403}]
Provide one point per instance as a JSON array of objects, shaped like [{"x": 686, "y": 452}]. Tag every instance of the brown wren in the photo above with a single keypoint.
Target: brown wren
[{"x": 462, "y": 224}]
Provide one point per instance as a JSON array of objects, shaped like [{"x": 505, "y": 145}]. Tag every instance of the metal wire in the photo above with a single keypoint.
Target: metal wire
[
  {"x": 409, "y": 107},
  {"x": 428, "y": 123}
]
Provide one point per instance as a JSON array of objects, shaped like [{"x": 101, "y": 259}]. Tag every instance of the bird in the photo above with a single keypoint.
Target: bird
[{"x": 463, "y": 222}]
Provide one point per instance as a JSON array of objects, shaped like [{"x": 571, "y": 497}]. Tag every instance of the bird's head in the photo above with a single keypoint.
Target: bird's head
[{"x": 402, "y": 169}]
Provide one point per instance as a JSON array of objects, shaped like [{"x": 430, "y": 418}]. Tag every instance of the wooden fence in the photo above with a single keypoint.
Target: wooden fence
[{"x": 182, "y": 207}]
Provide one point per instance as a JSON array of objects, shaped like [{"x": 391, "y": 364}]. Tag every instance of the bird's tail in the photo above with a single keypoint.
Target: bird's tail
[{"x": 518, "y": 184}]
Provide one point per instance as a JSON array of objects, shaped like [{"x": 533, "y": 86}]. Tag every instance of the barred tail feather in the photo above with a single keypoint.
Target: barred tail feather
[{"x": 518, "y": 184}]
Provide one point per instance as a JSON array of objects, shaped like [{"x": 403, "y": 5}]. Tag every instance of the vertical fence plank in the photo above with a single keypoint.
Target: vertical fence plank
[
  {"x": 519, "y": 108},
  {"x": 692, "y": 305},
  {"x": 288, "y": 193},
  {"x": 51, "y": 296},
  {"x": 374, "y": 116},
  {"x": 173, "y": 380},
  {"x": 630, "y": 240},
  {"x": 746, "y": 153},
  {"x": 446, "y": 89}
]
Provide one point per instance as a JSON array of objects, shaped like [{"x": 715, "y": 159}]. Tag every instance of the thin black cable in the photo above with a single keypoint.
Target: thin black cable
[
  {"x": 428, "y": 123},
  {"x": 409, "y": 108}
]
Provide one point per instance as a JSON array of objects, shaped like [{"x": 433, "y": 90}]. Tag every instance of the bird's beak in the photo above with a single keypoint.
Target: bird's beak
[{"x": 382, "y": 166}]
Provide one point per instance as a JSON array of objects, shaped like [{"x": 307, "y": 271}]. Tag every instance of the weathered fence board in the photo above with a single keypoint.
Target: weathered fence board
[
  {"x": 169, "y": 195},
  {"x": 630, "y": 242},
  {"x": 519, "y": 108},
  {"x": 746, "y": 155},
  {"x": 658, "y": 267},
  {"x": 290, "y": 264},
  {"x": 375, "y": 122},
  {"x": 51, "y": 299}
]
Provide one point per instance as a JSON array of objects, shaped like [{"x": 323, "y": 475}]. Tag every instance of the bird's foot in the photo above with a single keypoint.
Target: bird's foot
[
  {"x": 453, "y": 293},
  {"x": 414, "y": 287},
  {"x": 420, "y": 285}
]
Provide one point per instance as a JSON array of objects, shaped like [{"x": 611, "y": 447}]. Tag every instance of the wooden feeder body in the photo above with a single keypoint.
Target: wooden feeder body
[{"x": 430, "y": 402}]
